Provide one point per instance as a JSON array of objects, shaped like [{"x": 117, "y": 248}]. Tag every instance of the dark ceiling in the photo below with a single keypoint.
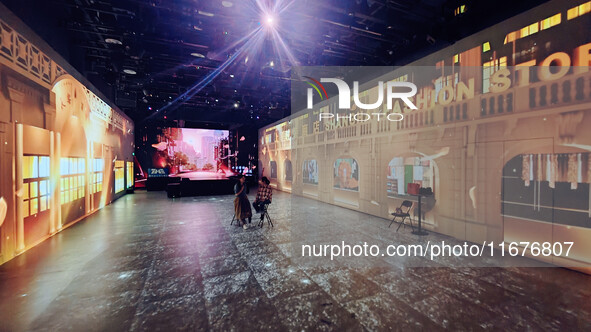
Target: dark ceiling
[{"x": 157, "y": 58}]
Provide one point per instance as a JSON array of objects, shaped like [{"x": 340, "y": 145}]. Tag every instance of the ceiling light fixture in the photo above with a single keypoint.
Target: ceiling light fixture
[
  {"x": 113, "y": 41},
  {"x": 129, "y": 71},
  {"x": 198, "y": 55},
  {"x": 235, "y": 105}
]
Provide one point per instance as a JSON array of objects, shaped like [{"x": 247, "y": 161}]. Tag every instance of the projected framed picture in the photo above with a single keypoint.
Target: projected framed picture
[
  {"x": 310, "y": 172},
  {"x": 346, "y": 174}
]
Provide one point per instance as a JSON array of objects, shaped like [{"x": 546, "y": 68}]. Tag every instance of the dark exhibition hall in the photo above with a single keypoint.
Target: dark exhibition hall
[{"x": 295, "y": 165}]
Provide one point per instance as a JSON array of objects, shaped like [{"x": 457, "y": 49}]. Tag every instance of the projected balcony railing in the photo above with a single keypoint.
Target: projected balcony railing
[
  {"x": 496, "y": 104},
  {"x": 347, "y": 132},
  {"x": 567, "y": 91},
  {"x": 416, "y": 119}
]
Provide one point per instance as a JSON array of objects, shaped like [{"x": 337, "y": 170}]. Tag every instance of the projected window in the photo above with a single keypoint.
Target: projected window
[
  {"x": 98, "y": 166},
  {"x": 548, "y": 188},
  {"x": 488, "y": 68},
  {"x": 36, "y": 188},
  {"x": 485, "y": 47},
  {"x": 579, "y": 10},
  {"x": 72, "y": 179},
  {"x": 310, "y": 172},
  {"x": 346, "y": 174},
  {"x": 119, "y": 175},
  {"x": 544, "y": 24},
  {"x": 402, "y": 171},
  {"x": 130, "y": 177}
]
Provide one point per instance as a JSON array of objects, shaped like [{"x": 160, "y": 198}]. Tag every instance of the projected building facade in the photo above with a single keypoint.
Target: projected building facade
[
  {"x": 64, "y": 151},
  {"x": 500, "y": 135}
]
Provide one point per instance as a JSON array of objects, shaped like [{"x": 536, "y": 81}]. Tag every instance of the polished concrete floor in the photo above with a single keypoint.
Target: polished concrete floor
[{"x": 151, "y": 263}]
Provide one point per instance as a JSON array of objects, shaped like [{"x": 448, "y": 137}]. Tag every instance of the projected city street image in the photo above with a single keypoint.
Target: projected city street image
[{"x": 193, "y": 153}]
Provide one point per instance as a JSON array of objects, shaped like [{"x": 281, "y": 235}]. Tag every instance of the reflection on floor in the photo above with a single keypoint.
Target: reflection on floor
[{"x": 147, "y": 263}]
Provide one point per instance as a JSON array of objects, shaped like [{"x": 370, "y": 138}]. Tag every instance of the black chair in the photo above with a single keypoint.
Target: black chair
[
  {"x": 265, "y": 216},
  {"x": 402, "y": 212}
]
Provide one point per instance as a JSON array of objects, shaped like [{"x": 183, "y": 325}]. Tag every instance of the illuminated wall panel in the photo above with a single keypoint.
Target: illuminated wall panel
[
  {"x": 130, "y": 175},
  {"x": 59, "y": 139},
  {"x": 119, "y": 175},
  {"x": 98, "y": 167}
]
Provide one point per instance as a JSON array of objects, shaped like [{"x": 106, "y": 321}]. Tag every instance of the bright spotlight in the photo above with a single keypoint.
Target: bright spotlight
[{"x": 269, "y": 20}]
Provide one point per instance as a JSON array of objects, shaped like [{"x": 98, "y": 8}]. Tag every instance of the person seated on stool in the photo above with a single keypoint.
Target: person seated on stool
[
  {"x": 264, "y": 195},
  {"x": 241, "y": 203}
]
